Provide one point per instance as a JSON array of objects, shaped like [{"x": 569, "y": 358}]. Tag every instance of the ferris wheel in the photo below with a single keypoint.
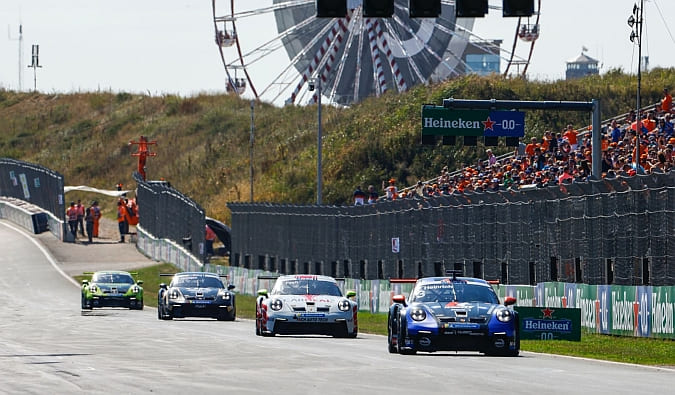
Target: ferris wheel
[{"x": 272, "y": 49}]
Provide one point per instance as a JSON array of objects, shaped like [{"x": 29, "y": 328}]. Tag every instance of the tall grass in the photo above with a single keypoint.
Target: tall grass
[{"x": 203, "y": 142}]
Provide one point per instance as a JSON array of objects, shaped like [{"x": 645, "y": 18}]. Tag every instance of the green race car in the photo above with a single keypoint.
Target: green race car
[{"x": 112, "y": 288}]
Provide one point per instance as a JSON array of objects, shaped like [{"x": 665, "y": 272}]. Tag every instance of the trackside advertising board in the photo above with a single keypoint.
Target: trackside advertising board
[
  {"x": 623, "y": 310},
  {"x": 538, "y": 323},
  {"x": 440, "y": 121}
]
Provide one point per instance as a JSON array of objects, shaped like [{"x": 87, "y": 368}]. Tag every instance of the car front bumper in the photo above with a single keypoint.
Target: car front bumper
[{"x": 190, "y": 308}]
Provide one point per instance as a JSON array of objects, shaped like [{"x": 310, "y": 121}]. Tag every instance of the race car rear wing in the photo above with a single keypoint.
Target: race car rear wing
[
  {"x": 268, "y": 276},
  {"x": 402, "y": 280}
]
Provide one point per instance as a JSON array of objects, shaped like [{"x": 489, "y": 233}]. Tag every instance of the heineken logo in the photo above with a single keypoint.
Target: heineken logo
[
  {"x": 440, "y": 121},
  {"x": 533, "y": 324},
  {"x": 460, "y": 123}
]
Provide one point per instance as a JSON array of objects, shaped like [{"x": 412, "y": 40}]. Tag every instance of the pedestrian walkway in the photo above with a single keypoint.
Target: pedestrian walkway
[{"x": 105, "y": 253}]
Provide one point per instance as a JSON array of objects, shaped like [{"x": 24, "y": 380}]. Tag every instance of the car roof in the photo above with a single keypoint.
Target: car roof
[
  {"x": 438, "y": 280},
  {"x": 197, "y": 274},
  {"x": 112, "y": 272},
  {"x": 313, "y": 277}
]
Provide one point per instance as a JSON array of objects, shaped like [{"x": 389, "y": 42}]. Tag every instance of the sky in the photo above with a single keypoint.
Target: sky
[{"x": 166, "y": 47}]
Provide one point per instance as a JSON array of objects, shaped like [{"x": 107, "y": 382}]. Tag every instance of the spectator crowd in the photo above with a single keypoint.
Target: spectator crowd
[{"x": 635, "y": 144}]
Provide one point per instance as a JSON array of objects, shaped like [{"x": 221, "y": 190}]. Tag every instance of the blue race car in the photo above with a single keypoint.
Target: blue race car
[{"x": 453, "y": 314}]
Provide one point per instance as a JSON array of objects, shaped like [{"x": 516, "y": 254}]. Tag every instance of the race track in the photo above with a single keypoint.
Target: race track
[{"x": 49, "y": 346}]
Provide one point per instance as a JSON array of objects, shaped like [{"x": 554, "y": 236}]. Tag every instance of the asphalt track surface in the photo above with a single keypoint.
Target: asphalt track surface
[{"x": 49, "y": 346}]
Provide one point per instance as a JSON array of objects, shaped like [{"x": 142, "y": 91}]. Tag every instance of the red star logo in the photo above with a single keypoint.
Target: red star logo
[
  {"x": 488, "y": 124},
  {"x": 636, "y": 313},
  {"x": 548, "y": 313}
]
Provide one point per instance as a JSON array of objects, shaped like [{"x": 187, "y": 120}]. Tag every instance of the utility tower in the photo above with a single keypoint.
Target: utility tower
[{"x": 35, "y": 64}]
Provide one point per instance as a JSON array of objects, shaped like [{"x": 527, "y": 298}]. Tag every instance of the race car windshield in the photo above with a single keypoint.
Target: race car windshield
[
  {"x": 307, "y": 287},
  {"x": 454, "y": 292},
  {"x": 196, "y": 282},
  {"x": 113, "y": 278}
]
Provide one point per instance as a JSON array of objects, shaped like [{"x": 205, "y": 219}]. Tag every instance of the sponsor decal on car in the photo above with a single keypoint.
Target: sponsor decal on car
[{"x": 310, "y": 317}]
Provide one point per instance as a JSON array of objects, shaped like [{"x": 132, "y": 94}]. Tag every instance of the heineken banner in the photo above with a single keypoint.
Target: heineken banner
[
  {"x": 440, "y": 121},
  {"x": 547, "y": 323},
  {"x": 640, "y": 311}
]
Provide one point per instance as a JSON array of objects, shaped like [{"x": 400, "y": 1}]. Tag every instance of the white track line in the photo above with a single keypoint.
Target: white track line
[{"x": 44, "y": 251}]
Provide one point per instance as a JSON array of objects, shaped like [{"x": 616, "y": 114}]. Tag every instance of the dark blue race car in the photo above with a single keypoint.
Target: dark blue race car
[
  {"x": 453, "y": 314},
  {"x": 196, "y": 294}
]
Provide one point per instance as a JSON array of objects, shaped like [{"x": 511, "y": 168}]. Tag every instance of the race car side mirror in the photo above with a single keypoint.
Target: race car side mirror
[
  {"x": 85, "y": 282},
  {"x": 350, "y": 294},
  {"x": 230, "y": 287},
  {"x": 139, "y": 282},
  {"x": 162, "y": 286},
  {"x": 509, "y": 300},
  {"x": 262, "y": 292},
  {"x": 399, "y": 299}
]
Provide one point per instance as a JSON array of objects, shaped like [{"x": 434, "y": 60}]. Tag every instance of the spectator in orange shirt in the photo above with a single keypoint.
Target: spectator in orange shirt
[
  {"x": 667, "y": 101},
  {"x": 71, "y": 214},
  {"x": 529, "y": 149},
  {"x": 565, "y": 177},
  {"x": 546, "y": 141},
  {"x": 80, "y": 216},
  {"x": 391, "y": 190},
  {"x": 571, "y": 135}
]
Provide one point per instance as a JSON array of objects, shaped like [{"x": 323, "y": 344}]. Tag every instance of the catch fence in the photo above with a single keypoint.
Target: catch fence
[
  {"x": 39, "y": 195},
  {"x": 34, "y": 184},
  {"x": 609, "y": 231},
  {"x": 165, "y": 213}
]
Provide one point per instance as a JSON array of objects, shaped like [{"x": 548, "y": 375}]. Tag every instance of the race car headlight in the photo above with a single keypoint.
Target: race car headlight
[
  {"x": 504, "y": 315},
  {"x": 135, "y": 289},
  {"x": 418, "y": 314},
  {"x": 175, "y": 294},
  {"x": 224, "y": 294},
  {"x": 343, "y": 305},
  {"x": 92, "y": 288},
  {"x": 276, "y": 305}
]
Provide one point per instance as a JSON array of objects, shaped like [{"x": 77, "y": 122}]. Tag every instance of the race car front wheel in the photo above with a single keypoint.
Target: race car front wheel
[
  {"x": 86, "y": 305},
  {"x": 391, "y": 326},
  {"x": 400, "y": 343},
  {"x": 225, "y": 315}
]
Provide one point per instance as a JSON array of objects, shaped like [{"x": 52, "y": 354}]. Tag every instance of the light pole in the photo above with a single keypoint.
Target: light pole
[
  {"x": 250, "y": 151},
  {"x": 316, "y": 82},
  {"x": 635, "y": 22}
]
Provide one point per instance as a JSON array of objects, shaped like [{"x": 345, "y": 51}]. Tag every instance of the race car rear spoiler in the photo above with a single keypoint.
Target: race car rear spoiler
[
  {"x": 402, "y": 280},
  {"x": 268, "y": 277}
]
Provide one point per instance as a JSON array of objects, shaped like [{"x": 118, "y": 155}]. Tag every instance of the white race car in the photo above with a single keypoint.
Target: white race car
[{"x": 306, "y": 304}]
